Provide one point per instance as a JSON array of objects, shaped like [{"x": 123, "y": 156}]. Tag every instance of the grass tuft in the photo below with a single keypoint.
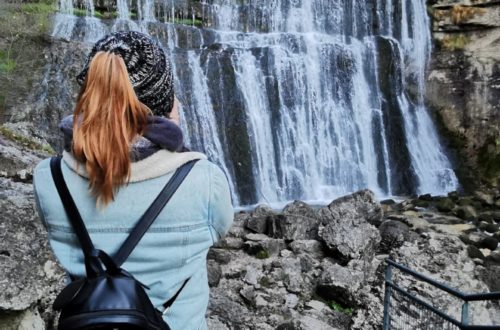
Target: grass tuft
[
  {"x": 339, "y": 308},
  {"x": 25, "y": 141},
  {"x": 262, "y": 254}
]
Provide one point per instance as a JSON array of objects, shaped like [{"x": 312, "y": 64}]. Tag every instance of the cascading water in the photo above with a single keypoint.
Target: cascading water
[
  {"x": 303, "y": 99},
  {"x": 64, "y": 21}
]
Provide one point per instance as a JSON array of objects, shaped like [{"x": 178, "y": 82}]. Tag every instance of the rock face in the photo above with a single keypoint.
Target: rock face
[
  {"x": 464, "y": 80},
  {"x": 30, "y": 277}
]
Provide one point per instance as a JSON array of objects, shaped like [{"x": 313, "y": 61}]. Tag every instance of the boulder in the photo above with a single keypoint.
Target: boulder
[
  {"x": 339, "y": 283},
  {"x": 394, "y": 234},
  {"x": 466, "y": 212},
  {"x": 221, "y": 256},
  {"x": 346, "y": 225},
  {"x": 361, "y": 204},
  {"x": 259, "y": 218},
  {"x": 474, "y": 252},
  {"x": 297, "y": 221},
  {"x": 484, "y": 198},
  {"x": 445, "y": 205},
  {"x": 489, "y": 243},
  {"x": 425, "y": 197},
  {"x": 488, "y": 227},
  {"x": 262, "y": 246},
  {"x": 311, "y": 247}
]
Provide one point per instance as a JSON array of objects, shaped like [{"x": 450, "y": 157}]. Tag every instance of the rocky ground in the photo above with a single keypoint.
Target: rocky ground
[{"x": 303, "y": 267}]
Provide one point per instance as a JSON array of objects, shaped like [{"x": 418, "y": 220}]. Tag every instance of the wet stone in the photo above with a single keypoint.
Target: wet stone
[
  {"x": 445, "y": 205},
  {"x": 488, "y": 227},
  {"x": 474, "y": 252},
  {"x": 489, "y": 243},
  {"x": 466, "y": 212}
]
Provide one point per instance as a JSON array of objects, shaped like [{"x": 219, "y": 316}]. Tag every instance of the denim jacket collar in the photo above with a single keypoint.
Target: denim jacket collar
[{"x": 158, "y": 164}]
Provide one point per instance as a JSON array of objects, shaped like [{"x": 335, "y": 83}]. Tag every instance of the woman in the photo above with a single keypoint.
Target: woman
[{"x": 119, "y": 153}]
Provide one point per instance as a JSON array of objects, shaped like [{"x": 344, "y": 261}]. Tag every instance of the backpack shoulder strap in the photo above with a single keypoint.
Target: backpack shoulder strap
[
  {"x": 152, "y": 212},
  {"x": 70, "y": 207}
]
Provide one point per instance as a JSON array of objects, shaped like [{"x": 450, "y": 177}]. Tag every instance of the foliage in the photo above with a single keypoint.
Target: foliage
[
  {"x": 7, "y": 63},
  {"x": 25, "y": 141},
  {"x": 265, "y": 282},
  {"x": 262, "y": 254},
  {"x": 339, "y": 308},
  {"x": 461, "y": 14},
  {"x": 189, "y": 21},
  {"x": 38, "y": 8},
  {"x": 458, "y": 14},
  {"x": 454, "y": 42}
]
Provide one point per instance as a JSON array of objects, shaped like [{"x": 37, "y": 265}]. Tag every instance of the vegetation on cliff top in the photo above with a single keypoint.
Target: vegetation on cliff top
[{"x": 25, "y": 141}]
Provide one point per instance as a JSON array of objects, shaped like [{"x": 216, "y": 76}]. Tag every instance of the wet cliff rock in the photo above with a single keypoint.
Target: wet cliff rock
[{"x": 464, "y": 81}]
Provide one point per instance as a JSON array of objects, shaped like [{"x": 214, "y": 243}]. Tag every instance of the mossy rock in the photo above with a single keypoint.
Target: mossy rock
[
  {"x": 421, "y": 203},
  {"x": 466, "y": 212},
  {"x": 445, "y": 205},
  {"x": 464, "y": 201},
  {"x": 425, "y": 197},
  {"x": 474, "y": 252}
]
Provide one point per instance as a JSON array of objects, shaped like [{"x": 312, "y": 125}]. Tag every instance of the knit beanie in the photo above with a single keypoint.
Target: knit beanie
[{"x": 148, "y": 67}]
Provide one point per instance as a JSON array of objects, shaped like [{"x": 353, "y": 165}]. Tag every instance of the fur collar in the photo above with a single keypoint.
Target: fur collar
[{"x": 157, "y": 164}]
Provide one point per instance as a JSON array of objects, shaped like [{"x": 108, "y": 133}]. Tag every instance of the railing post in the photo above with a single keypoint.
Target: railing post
[
  {"x": 387, "y": 298},
  {"x": 465, "y": 313}
]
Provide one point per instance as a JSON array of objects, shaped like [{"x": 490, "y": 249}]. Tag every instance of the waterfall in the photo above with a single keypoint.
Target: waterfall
[
  {"x": 94, "y": 28},
  {"x": 303, "y": 99},
  {"x": 64, "y": 21}
]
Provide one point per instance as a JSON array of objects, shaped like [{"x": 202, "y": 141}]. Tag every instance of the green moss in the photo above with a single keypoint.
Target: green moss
[
  {"x": 7, "y": 63},
  {"x": 339, "y": 308},
  {"x": 262, "y": 254},
  {"x": 25, "y": 141},
  {"x": 453, "y": 42},
  {"x": 265, "y": 282},
  {"x": 186, "y": 21},
  {"x": 99, "y": 14},
  {"x": 38, "y": 8}
]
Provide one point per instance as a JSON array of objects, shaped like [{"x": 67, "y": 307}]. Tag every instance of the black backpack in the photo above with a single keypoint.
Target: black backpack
[{"x": 110, "y": 297}]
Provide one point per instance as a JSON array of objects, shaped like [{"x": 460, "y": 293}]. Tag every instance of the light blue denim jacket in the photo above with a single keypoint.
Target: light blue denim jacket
[{"x": 173, "y": 249}]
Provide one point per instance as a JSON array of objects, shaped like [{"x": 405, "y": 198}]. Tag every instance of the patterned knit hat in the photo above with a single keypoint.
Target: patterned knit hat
[{"x": 149, "y": 69}]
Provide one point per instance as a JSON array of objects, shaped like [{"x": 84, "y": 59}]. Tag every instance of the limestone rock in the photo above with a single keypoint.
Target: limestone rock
[
  {"x": 24, "y": 251},
  {"x": 214, "y": 273},
  {"x": 297, "y": 221},
  {"x": 361, "y": 204},
  {"x": 345, "y": 226},
  {"x": 394, "y": 234},
  {"x": 339, "y": 283},
  {"x": 312, "y": 247},
  {"x": 221, "y": 256},
  {"x": 259, "y": 218}
]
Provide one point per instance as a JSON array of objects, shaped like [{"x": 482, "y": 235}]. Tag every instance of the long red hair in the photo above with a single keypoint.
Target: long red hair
[{"x": 107, "y": 117}]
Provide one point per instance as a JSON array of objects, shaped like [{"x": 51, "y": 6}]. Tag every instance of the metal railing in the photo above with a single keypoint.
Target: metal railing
[{"x": 411, "y": 312}]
